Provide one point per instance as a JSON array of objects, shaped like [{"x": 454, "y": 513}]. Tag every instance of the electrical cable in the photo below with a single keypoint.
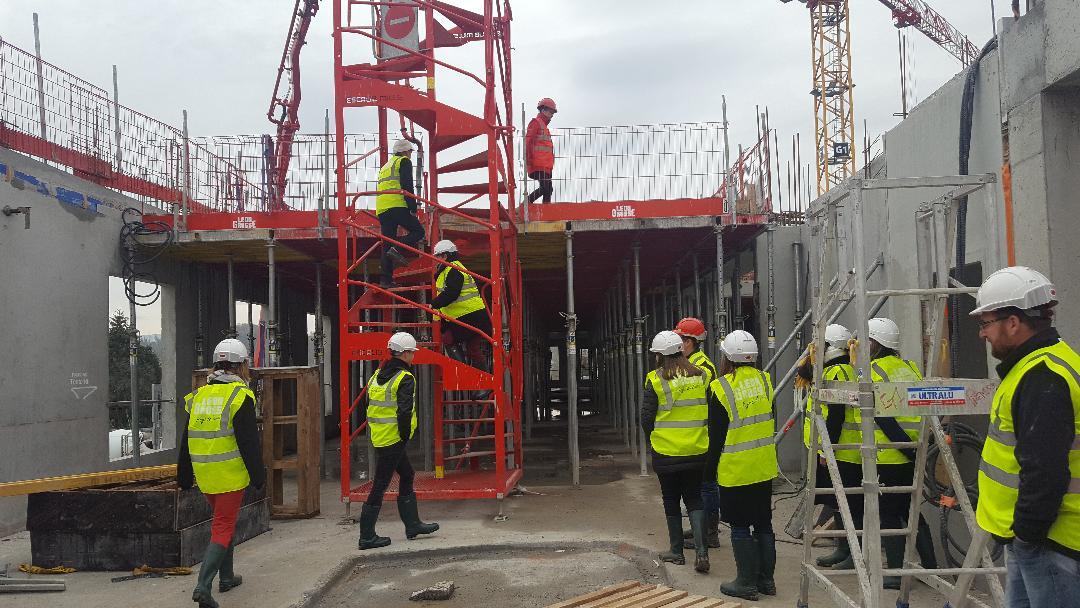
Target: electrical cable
[{"x": 141, "y": 244}]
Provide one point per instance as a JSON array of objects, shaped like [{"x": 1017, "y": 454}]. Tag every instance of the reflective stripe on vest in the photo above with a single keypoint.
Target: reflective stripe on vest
[
  {"x": 839, "y": 371},
  {"x": 885, "y": 369},
  {"x": 390, "y": 179},
  {"x": 999, "y": 471},
  {"x": 382, "y": 410},
  {"x": 681, "y": 427},
  {"x": 215, "y": 455},
  {"x": 749, "y": 454},
  {"x": 468, "y": 300},
  {"x": 701, "y": 360}
]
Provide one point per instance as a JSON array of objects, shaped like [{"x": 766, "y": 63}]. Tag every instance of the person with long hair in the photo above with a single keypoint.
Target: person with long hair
[
  {"x": 742, "y": 457},
  {"x": 675, "y": 418}
]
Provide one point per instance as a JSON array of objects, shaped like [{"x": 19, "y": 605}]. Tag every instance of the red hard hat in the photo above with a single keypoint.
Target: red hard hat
[
  {"x": 547, "y": 102},
  {"x": 691, "y": 327}
]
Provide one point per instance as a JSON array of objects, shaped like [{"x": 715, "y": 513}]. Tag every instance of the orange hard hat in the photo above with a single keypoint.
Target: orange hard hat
[
  {"x": 691, "y": 327},
  {"x": 547, "y": 102}
]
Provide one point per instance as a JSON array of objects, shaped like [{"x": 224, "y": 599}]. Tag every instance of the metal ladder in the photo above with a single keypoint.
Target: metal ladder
[{"x": 837, "y": 211}]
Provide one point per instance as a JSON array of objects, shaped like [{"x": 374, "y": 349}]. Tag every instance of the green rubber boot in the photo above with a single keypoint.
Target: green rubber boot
[
  {"x": 368, "y": 538},
  {"x": 675, "y": 541},
  {"x": 842, "y": 553},
  {"x": 211, "y": 563},
  {"x": 766, "y": 543},
  {"x": 747, "y": 565},
  {"x": 407, "y": 509},
  {"x": 894, "y": 557},
  {"x": 227, "y": 579},
  {"x": 701, "y": 549}
]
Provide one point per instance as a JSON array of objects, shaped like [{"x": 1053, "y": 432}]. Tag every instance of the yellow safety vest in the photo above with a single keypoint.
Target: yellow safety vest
[
  {"x": 842, "y": 372},
  {"x": 390, "y": 179},
  {"x": 701, "y": 360},
  {"x": 682, "y": 418},
  {"x": 215, "y": 455},
  {"x": 884, "y": 369},
  {"x": 749, "y": 454},
  {"x": 468, "y": 300},
  {"x": 382, "y": 410},
  {"x": 999, "y": 472}
]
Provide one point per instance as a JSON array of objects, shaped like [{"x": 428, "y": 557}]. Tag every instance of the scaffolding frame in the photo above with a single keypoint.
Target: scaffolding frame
[{"x": 930, "y": 398}]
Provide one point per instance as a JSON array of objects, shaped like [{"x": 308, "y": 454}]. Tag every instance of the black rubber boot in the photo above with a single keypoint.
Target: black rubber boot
[
  {"x": 766, "y": 543},
  {"x": 701, "y": 551},
  {"x": 746, "y": 568},
  {"x": 211, "y": 563},
  {"x": 228, "y": 579},
  {"x": 712, "y": 530},
  {"x": 396, "y": 256},
  {"x": 894, "y": 557},
  {"x": 675, "y": 540},
  {"x": 841, "y": 554},
  {"x": 924, "y": 545},
  {"x": 411, "y": 518},
  {"x": 368, "y": 538}
]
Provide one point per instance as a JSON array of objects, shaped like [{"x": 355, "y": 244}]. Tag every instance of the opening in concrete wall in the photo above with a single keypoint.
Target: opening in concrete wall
[
  {"x": 327, "y": 329},
  {"x": 153, "y": 397},
  {"x": 251, "y": 330}
]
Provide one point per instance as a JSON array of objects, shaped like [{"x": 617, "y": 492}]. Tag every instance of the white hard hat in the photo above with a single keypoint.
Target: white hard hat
[
  {"x": 885, "y": 332},
  {"x": 402, "y": 342},
  {"x": 402, "y": 146},
  {"x": 231, "y": 350},
  {"x": 836, "y": 341},
  {"x": 666, "y": 343},
  {"x": 739, "y": 347},
  {"x": 1016, "y": 286},
  {"x": 445, "y": 246}
]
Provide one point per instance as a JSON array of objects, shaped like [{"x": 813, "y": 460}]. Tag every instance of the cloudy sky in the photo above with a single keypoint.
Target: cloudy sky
[{"x": 604, "y": 61}]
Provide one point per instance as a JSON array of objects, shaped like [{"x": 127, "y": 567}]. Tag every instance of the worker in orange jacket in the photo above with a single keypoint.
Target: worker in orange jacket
[{"x": 540, "y": 150}]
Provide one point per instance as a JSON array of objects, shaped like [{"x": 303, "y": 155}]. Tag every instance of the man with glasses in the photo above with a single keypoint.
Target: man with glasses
[{"x": 1029, "y": 477}]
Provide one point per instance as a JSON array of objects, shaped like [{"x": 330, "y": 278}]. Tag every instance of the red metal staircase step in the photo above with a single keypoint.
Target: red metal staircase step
[
  {"x": 472, "y": 189},
  {"x": 417, "y": 271},
  {"x": 476, "y": 161}
]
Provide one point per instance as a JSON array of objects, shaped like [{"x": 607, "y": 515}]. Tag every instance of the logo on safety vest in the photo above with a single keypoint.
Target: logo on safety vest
[
  {"x": 622, "y": 211},
  {"x": 244, "y": 223}
]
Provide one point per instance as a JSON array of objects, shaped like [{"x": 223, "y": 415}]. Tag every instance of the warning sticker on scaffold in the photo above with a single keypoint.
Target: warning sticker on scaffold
[{"x": 938, "y": 396}]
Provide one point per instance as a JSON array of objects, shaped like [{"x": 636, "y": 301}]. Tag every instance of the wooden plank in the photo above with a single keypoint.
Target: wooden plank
[
  {"x": 618, "y": 597},
  {"x": 595, "y": 595},
  {"x": 666, "y": 597},
  {"x": 688, "y": 602},
  {"x": 86, "y": 480},
  {"x": 646, "y": 599},
  {"x": 715, "y": 603}
]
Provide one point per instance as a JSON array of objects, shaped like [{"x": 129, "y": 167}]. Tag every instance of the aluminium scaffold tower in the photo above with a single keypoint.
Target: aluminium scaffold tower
[
  {"x": 472, "y": 431},
  {"x": 839, "y": 211}
]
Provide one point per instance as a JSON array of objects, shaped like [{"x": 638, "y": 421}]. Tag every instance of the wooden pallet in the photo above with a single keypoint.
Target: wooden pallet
[{"x": 635, "y": 594}]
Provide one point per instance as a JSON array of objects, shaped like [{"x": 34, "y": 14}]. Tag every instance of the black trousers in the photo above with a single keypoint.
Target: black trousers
[
  {"x": 681, "y": 485},
  {"x": 389, "y": 222},
  {"x": 389, "y": 460},
  {"x": 545, "y": 190},
  {"x": 893, "y": 507}
]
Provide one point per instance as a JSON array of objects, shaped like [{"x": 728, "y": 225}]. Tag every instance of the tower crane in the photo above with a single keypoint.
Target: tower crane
[{"x": 834, "y": 116}]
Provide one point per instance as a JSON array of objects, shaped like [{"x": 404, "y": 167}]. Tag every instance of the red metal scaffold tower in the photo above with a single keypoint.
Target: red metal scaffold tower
[{"x": 477, "y": 442}]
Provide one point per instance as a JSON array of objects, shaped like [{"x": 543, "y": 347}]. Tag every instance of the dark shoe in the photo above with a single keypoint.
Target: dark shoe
[
  {"x": 847, "y": 564},
  {"x": 924, "y": 545},
  {"x": 712, "y": 530},
  {"x": 746, "y": 567},
  {"x": 701, "y": 551},
  {"x": 842, "y": 552},
  {"x": 211, "y": 564},
  {"x": 894, "y": 557},
  {"x": 411, "y": 518},
  {"x": 766, "y": 544},
  {"x": 228, "y": 579},
  {"x": 396, "y": 256},
  {"x": 368, "y": 538},
  {"x": 482, "y": 395},
  {"x": 675, "y": 541}
]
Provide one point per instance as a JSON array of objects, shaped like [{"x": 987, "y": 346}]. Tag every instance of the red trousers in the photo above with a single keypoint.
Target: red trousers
[{"x": 226, "y": 508}]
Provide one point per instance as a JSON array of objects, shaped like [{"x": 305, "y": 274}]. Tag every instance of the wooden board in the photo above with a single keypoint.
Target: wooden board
[
  {"x": 86, "y": 480},
  {"x": 635, "y": 594}
]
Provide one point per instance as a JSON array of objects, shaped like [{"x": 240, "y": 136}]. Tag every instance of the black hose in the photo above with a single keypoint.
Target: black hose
[
  {"x": 967, "y": 110},
  {"x": 138, "y": 255}
]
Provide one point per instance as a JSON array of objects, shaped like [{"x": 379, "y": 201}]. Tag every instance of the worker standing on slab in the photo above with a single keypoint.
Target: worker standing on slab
[
  {"x": 837, "y": 366},
  {"x": 896, "y": 468},
  {"x": 1029, "y": 478},
  {"x": 742, "y": 457},
  {"x": 540, "y": 150},
  {"x": 459, "y": 298},
  {"x": 675, "y": 416},
  {"x": 396, "y": 209},
  {"x": 391, "y": 419},
  {"x": 692, "y": 332},
  {"x": 220, "y": 450}
]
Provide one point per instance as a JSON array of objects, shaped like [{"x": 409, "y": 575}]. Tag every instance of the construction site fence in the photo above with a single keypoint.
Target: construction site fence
[{"x": 71, "y": 123}]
